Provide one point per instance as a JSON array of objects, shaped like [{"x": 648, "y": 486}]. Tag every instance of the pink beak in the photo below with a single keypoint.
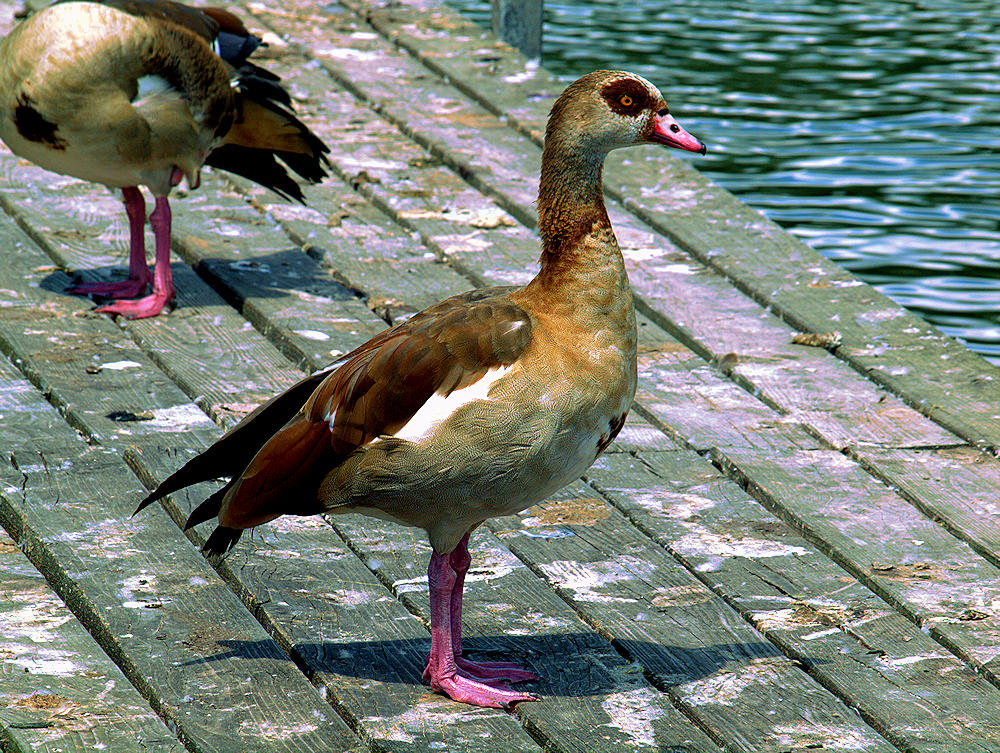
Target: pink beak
[{"x": 668, "y": 131}]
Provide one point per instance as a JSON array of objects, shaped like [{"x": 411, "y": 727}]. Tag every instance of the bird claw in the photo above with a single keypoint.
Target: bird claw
[
  {"x": 493, "y": 673},
  {"x": 494, "y": 670},
  {"x": 130, "y": 288},
  {"x": 140, "y": 308},
  {"x": 466, "y": 690}
]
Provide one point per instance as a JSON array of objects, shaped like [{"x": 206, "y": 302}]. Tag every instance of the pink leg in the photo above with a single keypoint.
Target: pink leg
[
  {"x": 460, "y": 559},
  {"x": 163, "y": 286},
  {"x": 442, "y": 671},
  {"x": 138, "y": 273}
]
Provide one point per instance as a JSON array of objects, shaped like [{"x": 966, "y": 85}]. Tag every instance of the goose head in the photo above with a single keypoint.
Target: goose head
[{"x": 605, "y": 110}]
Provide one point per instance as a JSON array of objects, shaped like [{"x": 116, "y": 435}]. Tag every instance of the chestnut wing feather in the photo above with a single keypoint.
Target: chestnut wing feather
[
  {"x": 376, "y": 391},
  {"x": 192, "y": 19}
]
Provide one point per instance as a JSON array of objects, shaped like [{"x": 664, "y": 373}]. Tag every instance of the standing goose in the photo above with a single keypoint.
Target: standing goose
[
  {"x": 143, "y": 93},
  {"x": 476, "y": 407}
]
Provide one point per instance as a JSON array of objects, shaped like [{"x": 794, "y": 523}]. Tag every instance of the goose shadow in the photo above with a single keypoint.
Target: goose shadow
[
  {"x": 568, "y": 664},
  {"x": 60, "y": 283},
  {"x": 280, "y": 274}
]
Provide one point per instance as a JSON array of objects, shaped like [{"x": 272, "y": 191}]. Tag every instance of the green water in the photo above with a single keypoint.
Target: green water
[{"x": 867, "y": 129}]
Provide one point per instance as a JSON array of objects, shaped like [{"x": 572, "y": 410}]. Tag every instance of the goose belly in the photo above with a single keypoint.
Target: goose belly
[
  {"x": 93, "y": 163},
  {"x": 491, "y": 458}
]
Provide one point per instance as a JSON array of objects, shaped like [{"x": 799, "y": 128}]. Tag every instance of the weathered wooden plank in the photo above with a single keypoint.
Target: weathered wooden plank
[
  {"x": 697, "y": 406},
  {"x": 579, "y": 688},
  {"x": 931, "y": 372},
  {"x": 754, "y": 348},
  {"x": 154, "y": 605},
  {"x": 68, "y": 353},
  {"x": 208, "y": 224},
  {"x": 933, "y": 578},
  {"x": 360, "y": 244},
  {"x": 700, "y": 652},
  {"x": 366, "y": 251},
  {"x": 475, "y": 61},
  {"x": 60, "y": 692},
  {"x": 957, "y": 486},
  {"x": 905, "y": 685},
  {"x": 88, "y": 221},
  {"x": 163, "y": 616},
  {"x": 284, "y": 293}
]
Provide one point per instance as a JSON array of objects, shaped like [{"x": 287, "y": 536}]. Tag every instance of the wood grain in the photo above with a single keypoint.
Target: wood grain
[
  {"x": 724, "y": 626},
  {"x": 151, "y": 601}
]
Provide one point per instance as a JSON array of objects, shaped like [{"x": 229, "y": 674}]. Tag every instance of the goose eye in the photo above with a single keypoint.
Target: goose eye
[{"x": 625, "y": 100}]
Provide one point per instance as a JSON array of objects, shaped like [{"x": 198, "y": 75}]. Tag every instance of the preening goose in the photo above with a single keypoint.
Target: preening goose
[
  {"x": 477, "y": 407},
  {"x": 143, "y": 93}
]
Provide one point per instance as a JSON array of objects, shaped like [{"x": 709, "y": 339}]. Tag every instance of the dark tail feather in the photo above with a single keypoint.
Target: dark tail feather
[
  {"x": 267, "y": 130},
  {"x": 221, "y": 541},
  {"x": 307, "y": 165},
  {"x": 210, "y": 464},
  {"x": 234, "y": 450},
  {"x": 207, "y": 509},
  {"x": 260, "y": 85},
  {"x": 258, "y": 165}
]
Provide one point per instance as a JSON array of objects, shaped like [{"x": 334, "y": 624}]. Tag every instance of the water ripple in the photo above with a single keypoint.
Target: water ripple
[{"x": 867, "y": 129}]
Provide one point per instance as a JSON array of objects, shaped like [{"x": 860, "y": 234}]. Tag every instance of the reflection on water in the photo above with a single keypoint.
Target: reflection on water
[{"x": 867, "y": 129}]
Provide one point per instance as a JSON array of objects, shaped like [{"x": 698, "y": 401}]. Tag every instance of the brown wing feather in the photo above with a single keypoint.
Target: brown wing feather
[
  {"x": 286, "y": 469},
  {"x": 259, "y": 127},
  {"x": 376, "y": 391},
  {"x": 227, "y": 21},
  {"x": 196, "y": 20}
]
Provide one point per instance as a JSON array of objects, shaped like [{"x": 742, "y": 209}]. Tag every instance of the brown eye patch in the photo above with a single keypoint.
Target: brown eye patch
[{"x": 625, "y": 96}]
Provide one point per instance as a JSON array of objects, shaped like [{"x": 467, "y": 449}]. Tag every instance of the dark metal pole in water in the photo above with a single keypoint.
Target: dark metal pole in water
[{"x": 519, "y": 23}]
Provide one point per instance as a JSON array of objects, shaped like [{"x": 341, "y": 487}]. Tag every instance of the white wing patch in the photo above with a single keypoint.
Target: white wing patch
[
  {"x": 149, "y": 87},
  {"x": 438, "y": 407},
  {"x": 331, "y": 417}
]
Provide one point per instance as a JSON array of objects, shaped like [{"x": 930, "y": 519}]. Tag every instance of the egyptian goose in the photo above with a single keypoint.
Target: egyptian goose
[
  {"x": 143, "y": 93},
  {"x": 476, "y": 407}
]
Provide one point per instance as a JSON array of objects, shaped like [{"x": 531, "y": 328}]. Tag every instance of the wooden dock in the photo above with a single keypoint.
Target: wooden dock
[{"x": 790, "y": 546}]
